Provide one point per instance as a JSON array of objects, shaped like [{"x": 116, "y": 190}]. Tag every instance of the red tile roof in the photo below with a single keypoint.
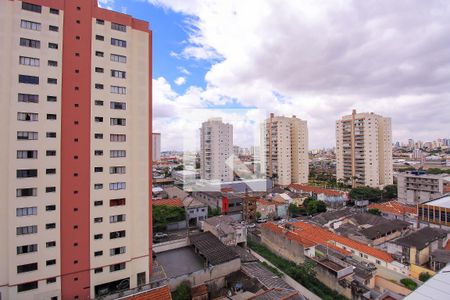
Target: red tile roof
[
  {"x": 264, "y": 202},
  {"x": 447, "y": 247},
  {"x": 289, "y": 234},
  {"x": 394, "y": 207},
  {"x": 168, "y": 202},
  {"x": 327, "y": 238},
  {"x": 316, "y": 190},
  {"x": 160, "y": 293}
]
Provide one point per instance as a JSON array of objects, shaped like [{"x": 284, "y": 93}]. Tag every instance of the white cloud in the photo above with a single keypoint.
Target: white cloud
[
  {"x": 183, "y": 70},
  {"x": 180, "y": 80},
  {"x": 318, "y": 59},
  {"x": 108, "y": 4}
]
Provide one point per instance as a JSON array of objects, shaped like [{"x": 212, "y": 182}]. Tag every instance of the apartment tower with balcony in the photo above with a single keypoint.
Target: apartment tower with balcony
[
  {"x": 75, "y": 179},
  {"x": 285, "y": 144},
  {"x": 364, "y": 150},
  {"x": 216, "y": 150}
]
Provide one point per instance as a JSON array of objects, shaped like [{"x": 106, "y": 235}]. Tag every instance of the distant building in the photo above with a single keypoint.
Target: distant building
[
  {"x": 285, "y": 150},
  {"x": 216, "y": 149},
  {"x": 417, "y": 187},
  {"x": 333, "y": 198},
  {"x": 364, "y": 150},
  {"x": 436, "y": 212},
  {"x": 156, "y": 146},
  {"x": 226, "y": 229}
]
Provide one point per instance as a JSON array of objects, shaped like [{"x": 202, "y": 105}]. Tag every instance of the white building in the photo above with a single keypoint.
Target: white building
[
  {"x": 285, "y": 144},
  {"x": 418, "y": 187},
  {"x": 156, "y": 146},
  {"x": 364, "y": 150},
  {"x": 216, "y": 150}
]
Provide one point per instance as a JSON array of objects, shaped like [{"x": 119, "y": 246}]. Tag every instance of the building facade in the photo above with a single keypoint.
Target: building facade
[
  {"x": 216, "y": 150},
  {"x": 418, "y": 187},
  {"x": 364, "y": 150},
  {"x": 76, "y": 122},
  {"x": 156, "y": 146},
  {"x": 285, "y": 144}
]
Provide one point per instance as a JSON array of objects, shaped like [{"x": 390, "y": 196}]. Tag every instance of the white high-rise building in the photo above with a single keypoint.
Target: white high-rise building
[
  {"x": 216, "y": 150},
  {"x": 156, "y": 146},
  {"x": 364, "y": 150},
  {"x": 285, "y": 144}
]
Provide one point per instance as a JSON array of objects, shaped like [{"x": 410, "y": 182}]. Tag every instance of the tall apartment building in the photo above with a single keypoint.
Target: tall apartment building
[
  {"x": 285, "y": 144},
  {"x": 75, "y": 126},
  {"x": 364, "y": 150},
  {"x": 156, "y": 146},
  {"x": 216, "y": 148},
  {"x": 417, "y": 187}
]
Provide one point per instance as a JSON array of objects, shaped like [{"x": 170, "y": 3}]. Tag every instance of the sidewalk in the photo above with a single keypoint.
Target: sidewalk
[{"x": 304, "y": 291}]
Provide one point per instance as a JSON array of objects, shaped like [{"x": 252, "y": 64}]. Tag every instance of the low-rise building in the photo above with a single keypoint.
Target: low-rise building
[
  {"x": 266, "y": 209},
  {"x": 435, "y": 212},
  {"x": 395, "y": 210},
  {"x": 196, "y": 211},
  {"x": 227, "y": 202},
  {"x": 418, "y": 187},
  {"x": 175, "y": 192},
  {"x": 333, "y": 198},
  {"x": 226, "y": 229}
]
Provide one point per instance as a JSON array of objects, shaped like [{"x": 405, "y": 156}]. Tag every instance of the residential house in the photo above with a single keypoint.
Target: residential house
[
  {"x": 395, "y": 210},
  {"x": 226, "y": 229},
  {"x": 266, "y": 209},
  {"x": 333, "y": 198},
  {"x": 196, "y": 211}
]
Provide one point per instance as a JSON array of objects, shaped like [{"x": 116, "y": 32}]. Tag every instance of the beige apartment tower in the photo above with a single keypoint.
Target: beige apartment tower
[
  {"x": 285, "y": 144},
  {"x": 364, "y": 150},
  {"x": 216, "y": 150}
]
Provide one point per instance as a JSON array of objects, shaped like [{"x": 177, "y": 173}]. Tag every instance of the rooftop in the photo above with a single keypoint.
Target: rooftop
[
  {"x": 441, "y": 202},
  {"x": 175, "y": 192},
  {"x": 159, "y": 293},
  {"x": 168, "y": 202},
  {"x": 210, "y": 247},
  {"x": 277, "y": 294},
  {"x": 382, "y": 229},
  {"x": 222, "y": 223},
  {"x": 180, "y": 261},
  {"x": 291, "y": 235},
  {"x": 394, "y": 207},
  {"x": 441, "y": 255},
  {"x": 328, "y": 216},
  {"x": 316, "y": 190},
  {"x": 264, "y": 276},
  {"x": 422, "y": 238}
]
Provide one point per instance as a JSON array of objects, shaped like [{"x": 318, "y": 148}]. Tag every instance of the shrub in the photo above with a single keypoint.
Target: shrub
[
  {"x": 424, "y": 276},
  {"x": 409, "y": 283}
]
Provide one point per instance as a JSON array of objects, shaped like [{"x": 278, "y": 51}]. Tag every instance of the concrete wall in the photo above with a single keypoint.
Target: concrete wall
[
  {"x": 382, "y": 284},
  {"x": 282, "y": 246},
  {"x": 415, "y": 270}
]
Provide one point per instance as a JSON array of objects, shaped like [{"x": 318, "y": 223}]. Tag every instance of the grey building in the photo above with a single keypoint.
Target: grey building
[{"x": 417, "y": 187}]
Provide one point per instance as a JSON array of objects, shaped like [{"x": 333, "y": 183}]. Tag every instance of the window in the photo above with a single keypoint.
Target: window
[
  {"x": 54, "y": 11},
  {"x": 117, "y": 234},
  {"x": 117, "y": 267},
  {"x": 98, "y": 236},
  {"x": 98, "y": 169},
  {"x": 50, "y": 152},
  {"x": 26, "y": 173},
  {"x": 28, "y": 79},
  {"x": 50, "y": 262},
  {"x": 50, "y": 171},
  {"x": 114, "y": 186},
  {"x": 118, "y": 138},
  {"x": 51, "y": 98},
  {"x": 100, "y": 22},
  {"x": 99, "y": 86},
  {"x": 52, "y": 63},
  {"x": 99, "y": 70},
  {"x": 118, "y": 121},
  {"x": 98, "y": 270},
  {"x": 98, "y": 186},
  {"x": 51, "y": 280},
  {"x": 31, "y": 7},
  {"x": 117, "y": 251},
  {"x": 27, "y": 249},
  {"x": 118, "y": 90},
  {"x": 29, "y": 285},
  {"x": 116, "y": 218},
  {"x": 26, "y": 211},
  {"x": 99, "y": 53},
  {"x": 26, "y": 230},
  {"x": 98, "y": 203},
  {"x": 27, "y": 135},
  {"x": 27, "y": 268},
  {"x": 51, "y": 134},
  {"x": 50, "y": 189},
  {"x": 50, "y": 244},
  {"x": 30, "y": 43},
  {"x": 52, "y": 45},
  {"x": 99, "y": 37},
  {"x": 30, "y": 25},
  {"x": 27, "y": 154},
  {"x": 98, "y": 119},
  {"x": 117, "y": 202},
  {"x": 98, "y": 220},
  {"x": 118, "y": 58},
  {"x": 26, "y": 192},
  {"x": 52, "y": 81},
  {"x": 117, "y": 170},
  {"x": 118, "y": 74},
  {"x": 28, "y": 98},
  {"x": 98, "y": 253},
  {"x": 51, "y": 117},
  {"x": 118, "y": 43},
  {"x": 117, "y": 153},
  {"x": 98, "y": 136},
  {"x": 98, "y": 102},
  {"x": 118, "y": 105},
  {"x": 50, "y": 226},
  {"x": 98, "y": 152},
  {"x": 24, "y": 116},
  {"x": 50, "y": 207},
  {"x": 118, "y": 27},
  {"x": 53, "y": 28},
  {"x": 29, "y": 61}
]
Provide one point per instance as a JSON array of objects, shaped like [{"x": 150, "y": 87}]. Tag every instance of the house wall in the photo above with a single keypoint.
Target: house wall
[{"x": 282, "y": 246}]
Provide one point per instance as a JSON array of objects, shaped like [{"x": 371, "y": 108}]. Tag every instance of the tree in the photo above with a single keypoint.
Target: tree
[
  {"x": 212, "y": 212},
  {"x": 179, "y": 168},
  {"x": 409, "y": 283},
  {"x": 258, "y": 215},
  {"x": 424, "y": 276},
  {"x": 314, "y": 206},
  {"x": 366, "y": 193},
  {"x": 163, "y": 215},
  {"x": 390, "y": 192},
  {"x": 295, "y": 210},
  {"x": 183, "y": 292},
  {"x": 374, "y": 211}
]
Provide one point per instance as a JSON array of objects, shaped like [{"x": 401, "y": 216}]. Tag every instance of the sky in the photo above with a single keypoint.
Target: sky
[{"x": 315, "y": 59}]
